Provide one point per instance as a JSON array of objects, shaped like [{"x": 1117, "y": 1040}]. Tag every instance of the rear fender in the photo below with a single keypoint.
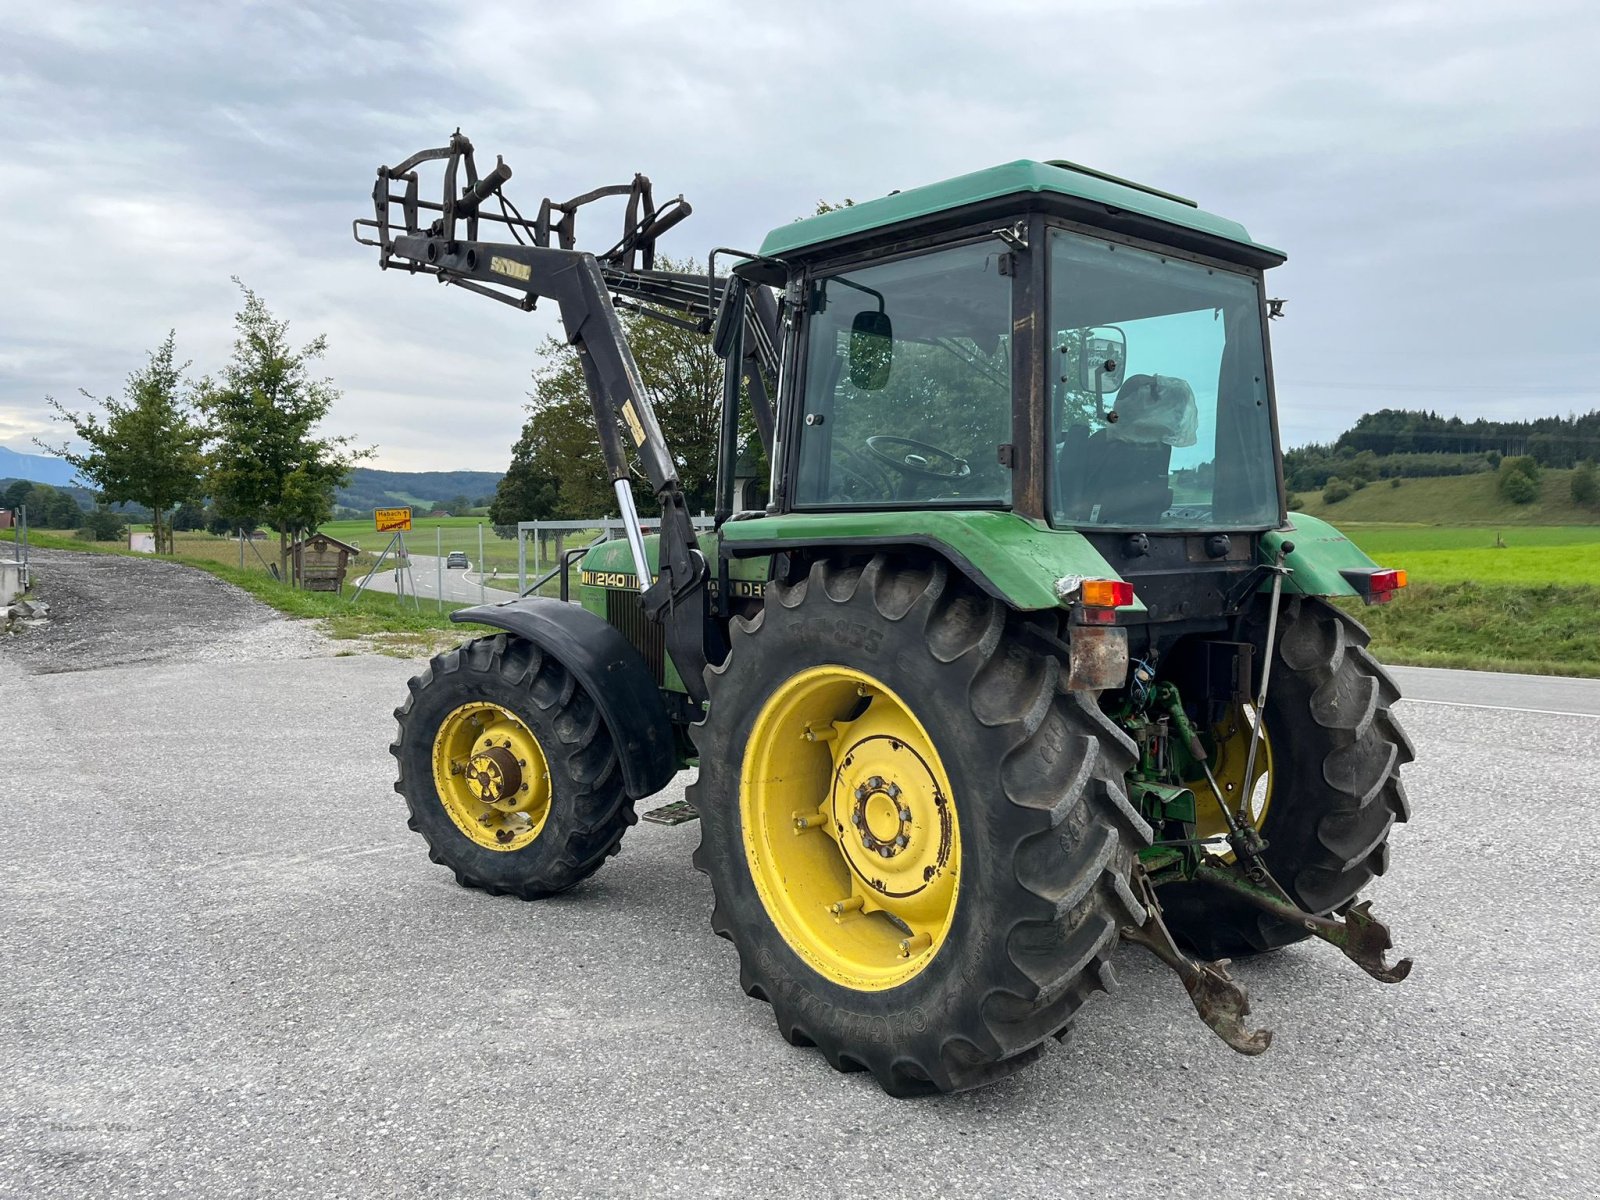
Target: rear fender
[{"x": 608, "y": 668}]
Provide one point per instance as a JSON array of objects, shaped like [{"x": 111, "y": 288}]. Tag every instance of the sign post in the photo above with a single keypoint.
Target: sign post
[{"x": 396, "y": 521}]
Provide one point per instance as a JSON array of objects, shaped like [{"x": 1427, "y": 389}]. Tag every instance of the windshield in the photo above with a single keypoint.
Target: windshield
[
  {"x": 1160, "y": 409},
  {"x": 908, "y": 383}
]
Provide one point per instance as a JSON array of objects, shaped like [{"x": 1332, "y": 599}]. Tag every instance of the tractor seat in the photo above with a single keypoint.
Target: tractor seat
[{"x": 1127, "y": 462}]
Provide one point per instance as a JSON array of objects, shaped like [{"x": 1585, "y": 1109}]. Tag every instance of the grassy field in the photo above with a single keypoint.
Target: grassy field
[
  {"x": 1454, "y": 500},
  {"x": 1528, "y": 604},
  {"x": 1536, "y": 554}
]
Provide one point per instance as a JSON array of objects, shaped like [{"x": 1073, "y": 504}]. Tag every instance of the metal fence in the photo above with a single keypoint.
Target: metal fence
[{"x": 545, "y": 565}]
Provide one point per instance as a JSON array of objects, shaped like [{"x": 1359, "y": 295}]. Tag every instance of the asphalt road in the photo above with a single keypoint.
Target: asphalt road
[
  {"x": 227, "y": 969},
  {"x": 428, "y": 578}
]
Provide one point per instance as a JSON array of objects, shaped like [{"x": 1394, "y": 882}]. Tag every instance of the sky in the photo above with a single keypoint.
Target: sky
[{"x": 1432, "y": 170}]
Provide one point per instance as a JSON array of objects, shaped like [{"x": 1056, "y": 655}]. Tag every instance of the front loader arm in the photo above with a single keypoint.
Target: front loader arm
[{"x": 520, "y": 273}]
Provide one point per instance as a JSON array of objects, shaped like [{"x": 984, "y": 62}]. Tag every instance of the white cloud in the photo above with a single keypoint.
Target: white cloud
[{"x": 1429, "y": 167}]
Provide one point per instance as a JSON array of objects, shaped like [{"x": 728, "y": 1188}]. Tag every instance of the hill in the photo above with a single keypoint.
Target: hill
[
  {"x": 1452, "y": 500},
  {"x": 36, "y": 468},
  {"x": 371, "y": 488}
]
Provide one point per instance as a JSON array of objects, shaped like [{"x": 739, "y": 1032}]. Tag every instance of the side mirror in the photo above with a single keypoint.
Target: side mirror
[
  {"x": 1098, "y": 359},
  {"x": 1104, "y": 360},
  {"x": 871, "y": 350},
  {"x": 730, "y": 313}
]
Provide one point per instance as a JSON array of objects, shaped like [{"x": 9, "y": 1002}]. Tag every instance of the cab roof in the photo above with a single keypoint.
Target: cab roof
[{"x": 1085, "y": 187}]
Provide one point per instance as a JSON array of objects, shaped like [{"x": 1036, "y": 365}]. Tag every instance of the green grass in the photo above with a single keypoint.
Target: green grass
[
  {"x": 1454, "y": 500},
  {"x": 1539, "y": 629},
  {"x": 1560, "y": 554},
  {"x": 444, "y": 534}
]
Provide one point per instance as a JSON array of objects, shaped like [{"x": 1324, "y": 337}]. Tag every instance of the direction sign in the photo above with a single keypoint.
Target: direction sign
[{"x": 392, "y": 520}]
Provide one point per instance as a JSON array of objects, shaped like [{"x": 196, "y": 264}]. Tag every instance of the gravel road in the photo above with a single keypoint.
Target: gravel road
[
  {"x": 110, "y": 610},
  {"x": 229, "y": 970}
]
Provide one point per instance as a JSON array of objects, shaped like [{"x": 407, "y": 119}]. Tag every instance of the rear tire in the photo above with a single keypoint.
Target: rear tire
[
  {"x": 586, "y": 809},
  {"x": 1336, "y": 793},
  {"x": 1045, "y": 832}
]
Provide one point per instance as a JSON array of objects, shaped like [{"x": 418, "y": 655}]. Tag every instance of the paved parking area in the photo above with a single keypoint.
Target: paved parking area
[{"x": 229, "y": 970}]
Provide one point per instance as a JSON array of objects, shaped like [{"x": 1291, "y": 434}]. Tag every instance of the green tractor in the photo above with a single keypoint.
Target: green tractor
[{"x": 1020, "y": 653}]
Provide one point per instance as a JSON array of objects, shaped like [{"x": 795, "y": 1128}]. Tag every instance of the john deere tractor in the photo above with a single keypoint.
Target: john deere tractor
[{"x": 1019, "y": 654}]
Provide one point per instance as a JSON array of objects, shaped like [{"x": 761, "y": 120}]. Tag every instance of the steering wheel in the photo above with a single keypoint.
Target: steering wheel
[{"x": 912, "y": 457}]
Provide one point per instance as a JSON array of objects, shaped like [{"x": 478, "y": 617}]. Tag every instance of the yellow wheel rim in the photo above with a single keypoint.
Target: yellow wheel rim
[
  {"x": 1230, "y": 751},
  {"x": 850, "y": 829},
  {"x": 491, "y": 776}
]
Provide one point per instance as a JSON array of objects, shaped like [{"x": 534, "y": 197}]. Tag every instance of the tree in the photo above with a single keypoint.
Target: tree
[
  {"x": 102, "y": 525},
  {"x": 1336, "y": 491},
  {"x": 558, "y": 448},
  {"x": 530, "y": 489},
  {"x": 269, "y": 463},
  {"x": 144, "y": 448},
  {"x": 1585, "y": 484},
  {"x": 1519, "y": 479}
]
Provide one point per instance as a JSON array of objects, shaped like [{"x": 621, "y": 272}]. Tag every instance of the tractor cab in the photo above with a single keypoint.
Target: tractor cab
[{"x": 1040, "y": 340}]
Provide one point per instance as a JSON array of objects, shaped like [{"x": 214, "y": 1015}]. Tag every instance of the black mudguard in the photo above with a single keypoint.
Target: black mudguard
[{"x": 610, "y": 670}]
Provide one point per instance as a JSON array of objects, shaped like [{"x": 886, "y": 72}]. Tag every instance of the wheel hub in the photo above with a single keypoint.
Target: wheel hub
[
  {"x": 491, "y": 776},
  {"x": 494, "y": 774}
]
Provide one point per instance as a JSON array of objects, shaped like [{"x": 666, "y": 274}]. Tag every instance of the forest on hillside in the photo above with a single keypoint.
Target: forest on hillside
[{"x": 1398, "y": 443}]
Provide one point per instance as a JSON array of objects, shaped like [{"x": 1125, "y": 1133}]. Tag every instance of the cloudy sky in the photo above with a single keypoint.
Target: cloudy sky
[{"x": 1433, "y": 171}]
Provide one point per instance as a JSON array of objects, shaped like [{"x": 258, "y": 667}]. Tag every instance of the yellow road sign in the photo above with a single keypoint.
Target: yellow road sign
[{"x": 392, "y": 520}]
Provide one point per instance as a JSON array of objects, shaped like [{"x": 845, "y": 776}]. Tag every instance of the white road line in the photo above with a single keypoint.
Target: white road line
[{"x": 1547, "y": 712}]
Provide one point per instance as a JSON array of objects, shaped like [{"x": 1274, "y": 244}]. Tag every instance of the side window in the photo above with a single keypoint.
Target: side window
[{"x": 907, "y": 394}]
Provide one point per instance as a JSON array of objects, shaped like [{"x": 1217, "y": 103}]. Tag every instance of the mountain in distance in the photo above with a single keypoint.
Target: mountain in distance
[
  {"x": 37, "y": 468},
  {"x": 371, "y": 488}
]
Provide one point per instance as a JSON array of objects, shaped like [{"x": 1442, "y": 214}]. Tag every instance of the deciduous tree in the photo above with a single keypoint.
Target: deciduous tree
[
  {"x": 270, "y": 462},
  {"x": 145, "y": 447}
]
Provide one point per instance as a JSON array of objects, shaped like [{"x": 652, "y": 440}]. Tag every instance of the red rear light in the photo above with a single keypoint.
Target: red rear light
[{"x": 1388, "y": 581}]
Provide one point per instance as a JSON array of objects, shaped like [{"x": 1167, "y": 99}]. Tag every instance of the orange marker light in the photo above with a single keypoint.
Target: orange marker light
[{"x": 1106, "y": 593}]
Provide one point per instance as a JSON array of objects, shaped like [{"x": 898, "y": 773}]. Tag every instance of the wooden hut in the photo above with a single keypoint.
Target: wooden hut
[{"x": 320, "y": 562}]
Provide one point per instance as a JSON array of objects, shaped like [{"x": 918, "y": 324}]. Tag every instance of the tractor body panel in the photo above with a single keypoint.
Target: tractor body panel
[
  {"x": 1013, "y": 559},
  {"x": 1320, "y": 553}
]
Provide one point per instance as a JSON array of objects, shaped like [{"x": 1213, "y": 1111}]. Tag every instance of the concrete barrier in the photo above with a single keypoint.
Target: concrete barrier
[{"x": 10, "y": 581}]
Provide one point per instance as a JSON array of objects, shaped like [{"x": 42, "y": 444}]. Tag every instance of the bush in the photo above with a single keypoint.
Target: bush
[
  {"x": 102, "y": 525},
  {"x": 1292, "y": 502},
  {"x": 1336, "y": 491},
  {"x": 1395, "y": 482},
  {"x": 1585, "y": 484},
  {"x": 1494, "y": 459},
  {"x": 1518, "y": 487}
]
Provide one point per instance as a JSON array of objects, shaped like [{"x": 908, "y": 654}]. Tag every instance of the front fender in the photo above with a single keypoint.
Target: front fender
[{"x": 608, "y": 668}]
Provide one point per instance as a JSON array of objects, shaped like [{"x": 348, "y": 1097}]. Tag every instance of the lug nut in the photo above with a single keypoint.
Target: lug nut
[
  {"x": 861, "y": 793},
  {"x": 905, "y": 814},
  {"x": 900, "y": 841},
  {"x": 885, "y": 851},
  {"x": 894, "y": 791}
]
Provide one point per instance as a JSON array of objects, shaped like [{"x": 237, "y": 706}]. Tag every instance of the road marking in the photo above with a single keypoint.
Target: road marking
[{"x": 1547, "y": 712}]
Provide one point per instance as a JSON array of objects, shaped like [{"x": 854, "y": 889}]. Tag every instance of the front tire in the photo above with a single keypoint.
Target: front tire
[
  {"x": 508, "y": 770},
  {"x": 1008, "y": 803}
]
